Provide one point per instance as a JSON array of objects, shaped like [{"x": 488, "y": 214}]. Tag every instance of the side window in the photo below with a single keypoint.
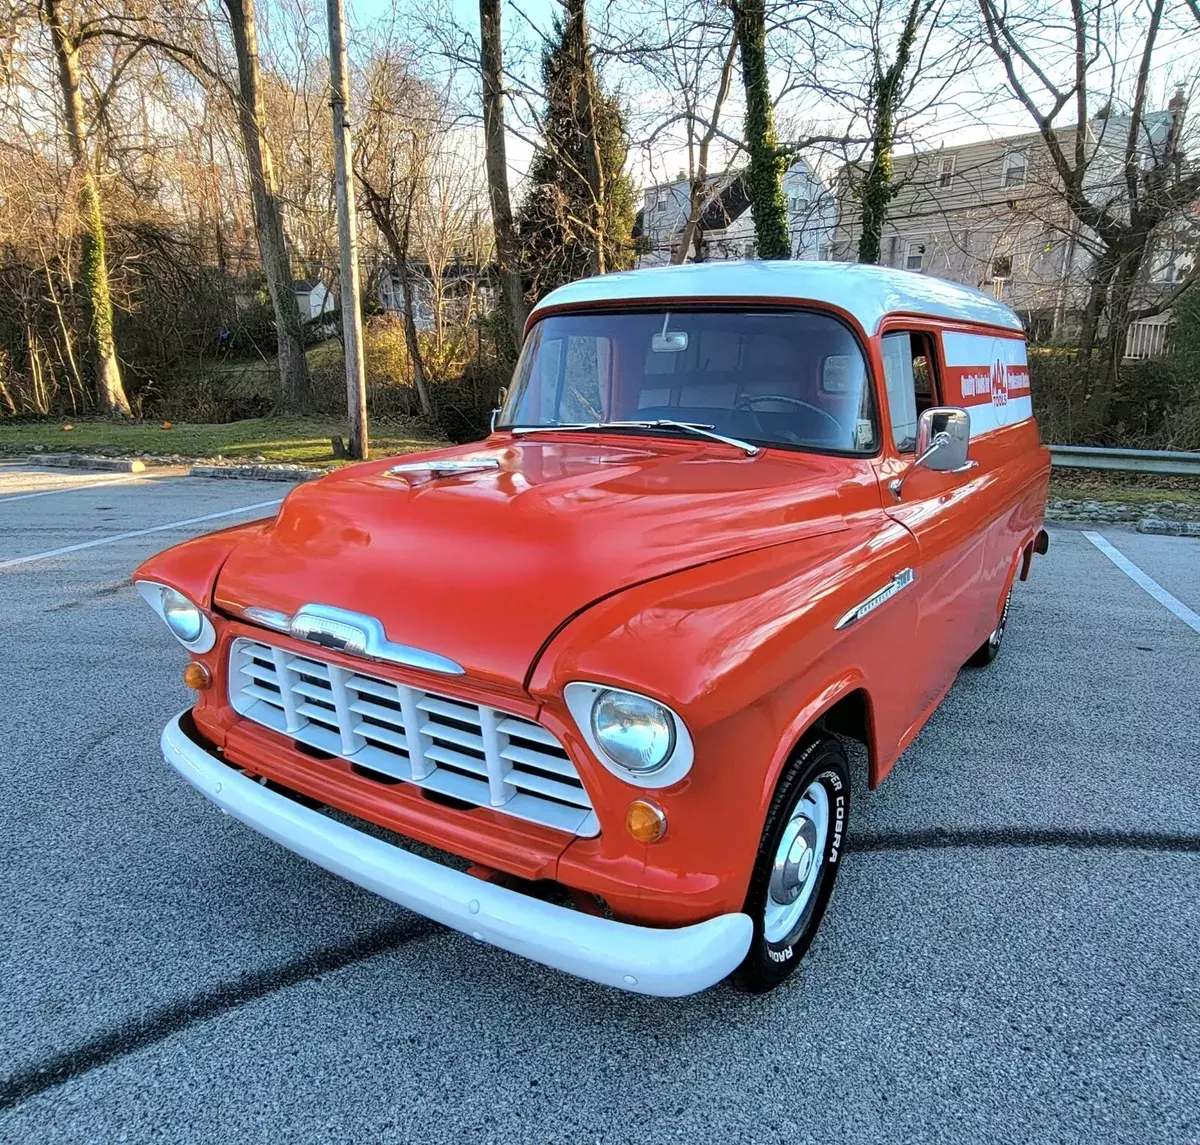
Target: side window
[{"x": 900, "y": 380}]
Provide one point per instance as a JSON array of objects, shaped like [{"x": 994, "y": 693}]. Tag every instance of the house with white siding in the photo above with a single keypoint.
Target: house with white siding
[
  {"x": 991, "y": 214},
  {"x": 726, "y": 226}
]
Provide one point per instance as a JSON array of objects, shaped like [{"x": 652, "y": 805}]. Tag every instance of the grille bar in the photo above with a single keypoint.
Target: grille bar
[{"x": 465, "y": 750}]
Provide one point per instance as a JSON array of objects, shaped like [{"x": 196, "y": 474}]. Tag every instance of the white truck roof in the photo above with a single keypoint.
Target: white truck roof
[{"x": 869, "y": 293}]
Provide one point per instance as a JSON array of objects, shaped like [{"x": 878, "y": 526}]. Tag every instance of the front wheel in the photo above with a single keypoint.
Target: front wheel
[
  {"x": 990, "y": 648},
  {"x": 798, "y": 859}
]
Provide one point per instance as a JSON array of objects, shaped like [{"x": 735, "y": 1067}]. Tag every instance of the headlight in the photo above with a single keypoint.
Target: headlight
[
  {"x": 635, "y": 732},
  {"x": 638, "y": 739},
  {"x": 186, "y": 621},
  {"x": 182, "y": 616}
]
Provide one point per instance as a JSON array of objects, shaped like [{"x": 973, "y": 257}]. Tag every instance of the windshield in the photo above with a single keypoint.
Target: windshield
[{"x": 791, "y": 378}]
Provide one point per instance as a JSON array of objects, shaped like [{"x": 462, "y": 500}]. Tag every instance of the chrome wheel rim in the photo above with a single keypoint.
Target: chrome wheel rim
[
  {"x": 998, "y": 634},
  {"x": 796, "y": 868}
]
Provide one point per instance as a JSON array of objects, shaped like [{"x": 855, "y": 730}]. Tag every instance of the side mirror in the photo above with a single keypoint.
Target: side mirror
[
  {"x": 501, "y": 398},
  {"x": 943, "y": 435}
]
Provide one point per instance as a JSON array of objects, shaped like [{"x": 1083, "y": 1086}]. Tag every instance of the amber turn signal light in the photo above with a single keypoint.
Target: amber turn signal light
[
  {"x": 646, "y": 822},
  {"x": 197, "y": 676}
]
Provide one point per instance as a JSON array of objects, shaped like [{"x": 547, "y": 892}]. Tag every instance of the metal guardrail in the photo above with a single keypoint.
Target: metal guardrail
[{"x": 1129, "y": 460}]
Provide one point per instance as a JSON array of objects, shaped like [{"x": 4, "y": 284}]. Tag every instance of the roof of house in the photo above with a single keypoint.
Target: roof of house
[
  {"x": 723, "y": 208},
  {"x": 868, "y": 293}
]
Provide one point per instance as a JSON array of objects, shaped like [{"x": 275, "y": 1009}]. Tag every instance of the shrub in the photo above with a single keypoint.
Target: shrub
[{"x": 1156, "y": 404}]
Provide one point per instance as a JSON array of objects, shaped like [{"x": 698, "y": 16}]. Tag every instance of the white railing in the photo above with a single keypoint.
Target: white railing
[{"x": 1147, "y": 338}]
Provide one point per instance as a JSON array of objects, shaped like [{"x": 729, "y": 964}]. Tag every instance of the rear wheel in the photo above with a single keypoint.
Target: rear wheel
[
  {"x": 990, "y": 648},
  {"x": 797, "y": 863}
]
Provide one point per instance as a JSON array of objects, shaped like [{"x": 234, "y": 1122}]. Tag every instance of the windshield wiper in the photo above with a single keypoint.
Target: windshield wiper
[{"x": 658, "y": 423}]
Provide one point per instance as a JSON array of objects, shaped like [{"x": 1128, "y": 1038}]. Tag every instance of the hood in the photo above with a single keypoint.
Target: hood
[{"x": 482, "y": 567}]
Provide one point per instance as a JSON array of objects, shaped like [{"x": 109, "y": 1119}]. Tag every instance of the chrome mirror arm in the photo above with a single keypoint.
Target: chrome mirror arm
[{"x": 940, "y": 441}]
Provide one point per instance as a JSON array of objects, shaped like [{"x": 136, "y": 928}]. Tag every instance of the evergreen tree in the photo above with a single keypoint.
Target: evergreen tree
[{"x": 577, "y": 217}]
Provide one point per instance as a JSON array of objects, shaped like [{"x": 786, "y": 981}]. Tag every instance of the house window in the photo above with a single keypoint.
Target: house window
[
  {"x": 914, "y": 256},
  {"x": 945, "y": 171},
  {"x": 1016, "y": 168},
  {"x": 797, "y": 203},
  {"x": 1002, "y": 266}
]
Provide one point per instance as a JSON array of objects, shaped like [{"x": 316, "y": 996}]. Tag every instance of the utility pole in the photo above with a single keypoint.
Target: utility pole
[{"x": 356, "y": 382}]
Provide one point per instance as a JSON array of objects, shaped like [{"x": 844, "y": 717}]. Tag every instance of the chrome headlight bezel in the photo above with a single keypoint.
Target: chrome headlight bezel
[
  {"x": 168, "y": 601},
  {"x": 582, "y": 699}
]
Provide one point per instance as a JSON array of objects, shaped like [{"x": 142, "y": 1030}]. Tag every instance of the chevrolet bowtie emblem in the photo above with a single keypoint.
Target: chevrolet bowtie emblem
[{"x": 336, "y": 634}]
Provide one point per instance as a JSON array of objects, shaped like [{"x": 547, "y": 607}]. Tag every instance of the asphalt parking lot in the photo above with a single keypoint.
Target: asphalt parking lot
[{"x": 1012, "y": 954}]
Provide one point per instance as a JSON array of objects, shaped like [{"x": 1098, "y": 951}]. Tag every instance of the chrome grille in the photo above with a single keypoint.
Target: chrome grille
[{"x": 460, "y": 749}]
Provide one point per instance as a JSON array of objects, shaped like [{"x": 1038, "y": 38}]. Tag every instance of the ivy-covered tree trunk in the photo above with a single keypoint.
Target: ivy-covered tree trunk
[
  {"x": 93, "y": 273},
  {"x": 294, "y": 380},
  {"x": 110, "y": 390},
  {"x": 764, "y": 177},
  {"x": 878, "y": 187}
]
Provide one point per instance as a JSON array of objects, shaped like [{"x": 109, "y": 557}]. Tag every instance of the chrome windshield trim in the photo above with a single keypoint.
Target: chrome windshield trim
[{"x": 902, "y": 579}]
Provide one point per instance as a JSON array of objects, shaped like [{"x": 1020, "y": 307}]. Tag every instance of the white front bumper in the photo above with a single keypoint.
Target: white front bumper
[{"x": 648, "y": 960}]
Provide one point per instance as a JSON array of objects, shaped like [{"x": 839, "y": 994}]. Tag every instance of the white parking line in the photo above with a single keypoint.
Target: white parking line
[
  {"x": 1148, "y": 583},
  {"x": 136, "y": 533},
  {"x": 73, "y": 488}
]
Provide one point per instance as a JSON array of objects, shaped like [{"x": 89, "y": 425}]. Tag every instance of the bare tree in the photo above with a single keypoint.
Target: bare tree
[
  {"x": 491, "y": 68},
  {"x": 698, "y": 182},
  {"x": 393, "y": 155},
  {"x": 1121, "y": 175},
  {"x": 296, "y": 385},
  {"x": 110, "y": 391},
  {"x": 682, "y": 57}
]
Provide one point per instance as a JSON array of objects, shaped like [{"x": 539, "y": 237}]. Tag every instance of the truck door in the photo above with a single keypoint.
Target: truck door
[{"x": 937, "y": 509}]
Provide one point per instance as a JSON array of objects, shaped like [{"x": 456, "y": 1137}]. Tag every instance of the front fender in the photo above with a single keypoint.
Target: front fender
[
  {"x": 192, "y": 566},
  {"x": 747, "y": 652}
]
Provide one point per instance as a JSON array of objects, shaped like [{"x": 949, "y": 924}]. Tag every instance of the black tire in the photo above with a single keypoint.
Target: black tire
[
  {"x": 990, "y": 648},
  {"x": 768, "y": 964}
]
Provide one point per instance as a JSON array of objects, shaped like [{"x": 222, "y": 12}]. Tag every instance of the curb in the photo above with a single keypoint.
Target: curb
[
  {"x": 257, "y": 472},
  {"x": 81, "y": 461},
  {"x": 1161, "y": 527}
]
